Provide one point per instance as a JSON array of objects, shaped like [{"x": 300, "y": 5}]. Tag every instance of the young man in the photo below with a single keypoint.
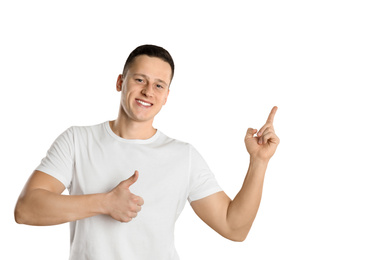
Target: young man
[{"x": 104, "y": 204}]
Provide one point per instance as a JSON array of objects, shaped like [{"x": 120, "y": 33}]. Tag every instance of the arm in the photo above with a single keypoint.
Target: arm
[
  {"x": 41, "y": 202},
  {"x": 233, "y": 218}
]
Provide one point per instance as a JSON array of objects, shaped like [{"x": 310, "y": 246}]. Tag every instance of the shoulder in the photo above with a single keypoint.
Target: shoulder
[
  {"x": 184, "y": 148},
  {"x": 89, "y": 129},
  {"x": 180, "y": 149},
  {"x": 175, "y": 146},
  {"x": 74, "y": 133},
  {"x": 172, "y": 141}
]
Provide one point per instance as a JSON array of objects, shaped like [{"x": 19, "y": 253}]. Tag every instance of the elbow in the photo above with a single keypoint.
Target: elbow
[
  {"x": 238, "y": 236},
  {"x": 19, "y": 213},
  {"x": 238, "y": 233},
  {"x": 241, "y": 239}
]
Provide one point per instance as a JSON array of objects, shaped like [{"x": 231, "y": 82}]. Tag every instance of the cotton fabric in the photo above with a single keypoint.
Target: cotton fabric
[{"x": 93, "y": 159}]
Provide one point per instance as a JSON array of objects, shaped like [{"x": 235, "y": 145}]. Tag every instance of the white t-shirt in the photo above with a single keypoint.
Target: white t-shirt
[{"x": 93, "y": 159}]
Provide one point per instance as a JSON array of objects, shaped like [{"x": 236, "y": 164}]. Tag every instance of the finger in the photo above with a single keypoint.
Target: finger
[
  {"x": 270, "y": 138},
  {"x": 126, "y": 220},
  {"x": 272, "y": 115},
  {"x": 130, "y": 181},
  {"x": 269, "y": 123},
  {"x": 268, "y": 130},
  {"x": 134, "y": 205},
  {"x": 265, "y": 138},
  {"x": 137, "y": 208},
  {"x": 265, "y": 128},
  {"x": 131, "y": 215},
  {"x": 140, "y": 201},
  {"x": 265, "y": 132}
]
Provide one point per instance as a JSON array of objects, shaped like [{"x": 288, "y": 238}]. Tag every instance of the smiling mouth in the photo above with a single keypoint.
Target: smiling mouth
[{"x": 146, "y": 104}]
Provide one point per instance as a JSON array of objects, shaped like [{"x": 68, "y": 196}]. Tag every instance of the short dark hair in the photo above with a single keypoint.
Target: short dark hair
[{"x": 151, "y": 51}]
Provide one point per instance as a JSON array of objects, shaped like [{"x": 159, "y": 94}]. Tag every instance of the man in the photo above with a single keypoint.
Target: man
[{"x": 104, "y": 205}]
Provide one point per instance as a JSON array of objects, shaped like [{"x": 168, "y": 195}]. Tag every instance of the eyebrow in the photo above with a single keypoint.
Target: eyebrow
[{"x": 143, "y": 75}]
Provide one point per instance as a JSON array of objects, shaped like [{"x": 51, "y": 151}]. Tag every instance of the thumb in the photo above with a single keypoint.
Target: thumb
[
  {"x": 130, "y": 181},
  {"x": 250, "y": 132}
]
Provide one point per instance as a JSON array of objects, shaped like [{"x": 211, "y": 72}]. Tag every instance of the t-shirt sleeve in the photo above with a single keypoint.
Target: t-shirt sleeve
[
  {"x": 202, "y": 180},
  {"x": 59, "y": 159}
]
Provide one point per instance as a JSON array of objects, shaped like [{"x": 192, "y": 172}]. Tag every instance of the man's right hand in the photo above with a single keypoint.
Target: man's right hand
[{"x": 120, "y": 203}]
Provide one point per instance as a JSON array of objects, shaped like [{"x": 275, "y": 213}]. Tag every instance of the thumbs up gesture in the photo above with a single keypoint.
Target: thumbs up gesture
[{"x": 120, "y": 203}]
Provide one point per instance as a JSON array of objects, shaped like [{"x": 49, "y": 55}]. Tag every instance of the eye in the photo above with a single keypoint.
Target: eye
[
  {"x": 159, "y": 86},
  {"x": 139, "y": 80}
]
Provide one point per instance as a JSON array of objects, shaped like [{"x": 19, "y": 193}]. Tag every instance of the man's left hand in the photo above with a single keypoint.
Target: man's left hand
[{"x": 262, "y": 144}]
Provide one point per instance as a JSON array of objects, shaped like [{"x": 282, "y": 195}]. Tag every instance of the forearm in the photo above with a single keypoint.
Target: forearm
[
  {"x": 41, "y": 207},
  {"x": 243, "y": 209}
]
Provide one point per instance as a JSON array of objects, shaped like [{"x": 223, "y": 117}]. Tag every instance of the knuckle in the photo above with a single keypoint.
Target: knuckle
[
  {"x": 133, "y": 207},
  {"x": 126, "y": 219}
]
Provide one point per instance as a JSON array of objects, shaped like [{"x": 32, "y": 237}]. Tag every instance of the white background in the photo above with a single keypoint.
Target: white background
[{"x": 325, "y": 64}]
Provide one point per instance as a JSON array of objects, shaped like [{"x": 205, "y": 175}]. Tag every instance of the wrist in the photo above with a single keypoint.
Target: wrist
[
  {"x": 253, "y": 160},
  {"x": 103, "y": 202},
  {"x": 257, "y": 166}
]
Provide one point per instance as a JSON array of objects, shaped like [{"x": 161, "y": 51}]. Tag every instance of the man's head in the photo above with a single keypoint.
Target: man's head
[
  {"x": 145, "y": 83},
  {"x": 151, "y": 51}
]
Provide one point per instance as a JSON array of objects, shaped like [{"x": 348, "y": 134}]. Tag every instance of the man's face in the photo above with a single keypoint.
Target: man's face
[{"x": 145, "y": 88}]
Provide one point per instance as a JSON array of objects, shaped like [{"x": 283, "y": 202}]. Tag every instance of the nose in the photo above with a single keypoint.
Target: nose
[{"x": 147, "y": 90}]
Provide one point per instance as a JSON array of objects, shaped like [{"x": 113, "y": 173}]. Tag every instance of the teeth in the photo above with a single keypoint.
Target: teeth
[{"x": 144, "y": 103}]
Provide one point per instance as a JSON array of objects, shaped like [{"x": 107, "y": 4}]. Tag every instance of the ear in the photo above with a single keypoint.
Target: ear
[{"x": 119, "y": 83}]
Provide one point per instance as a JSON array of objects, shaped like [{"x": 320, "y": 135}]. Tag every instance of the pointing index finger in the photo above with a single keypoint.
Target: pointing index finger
[{"x": 272, "y": 115}]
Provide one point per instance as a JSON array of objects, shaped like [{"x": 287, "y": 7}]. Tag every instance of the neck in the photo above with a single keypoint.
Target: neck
[{"x": 129, "y": 129}]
